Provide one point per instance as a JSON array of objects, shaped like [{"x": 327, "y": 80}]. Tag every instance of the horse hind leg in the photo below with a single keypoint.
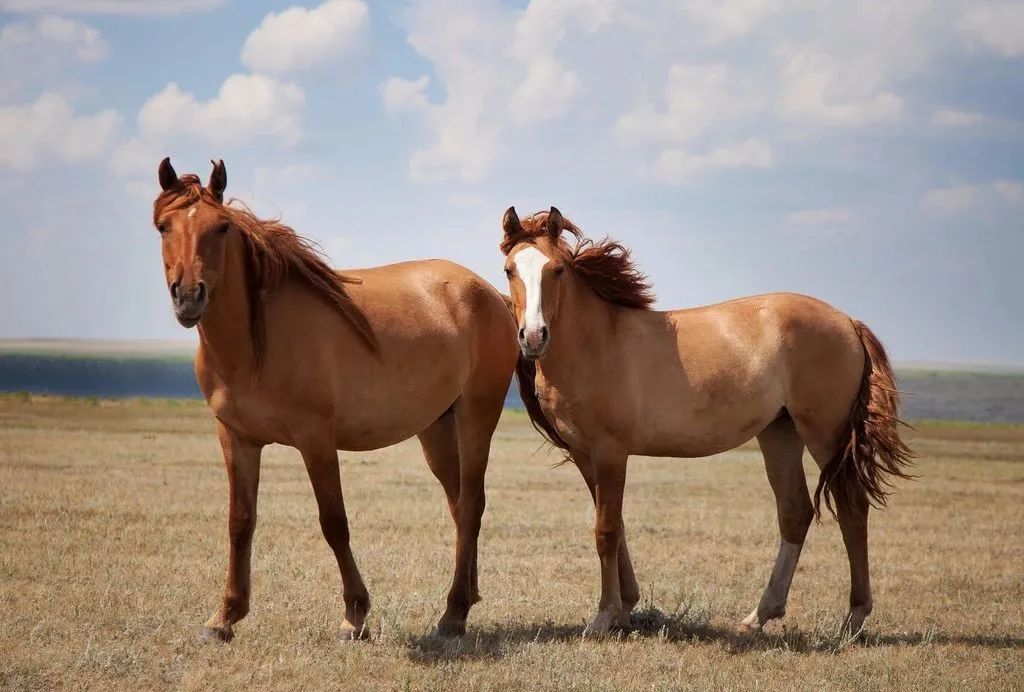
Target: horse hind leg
[
  {"x": 321, "y": 460},
  {"x": 782, "y": 449},
  {"x": 852, "y": 511},
  {"x": 476, "y": 416},
  {"x": 440, "y": 444}
]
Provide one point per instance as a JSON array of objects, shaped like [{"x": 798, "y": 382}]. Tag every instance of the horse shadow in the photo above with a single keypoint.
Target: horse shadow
[{"x": 683, "y": 626}]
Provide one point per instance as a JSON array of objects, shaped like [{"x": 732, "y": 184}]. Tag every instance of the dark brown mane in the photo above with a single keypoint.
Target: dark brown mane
[
  {"x": 606, "y": 265},
  {"x": 275, "y": 253}
]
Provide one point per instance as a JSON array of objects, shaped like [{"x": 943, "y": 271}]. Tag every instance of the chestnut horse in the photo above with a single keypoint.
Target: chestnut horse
[
  {"x": 294, "y": 353},
  {"x": 603, "y": 377}
]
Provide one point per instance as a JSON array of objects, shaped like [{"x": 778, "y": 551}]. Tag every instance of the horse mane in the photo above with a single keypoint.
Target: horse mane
[
  {"x": 605, "y": 265},
  {"x": 275, "y": 253}
]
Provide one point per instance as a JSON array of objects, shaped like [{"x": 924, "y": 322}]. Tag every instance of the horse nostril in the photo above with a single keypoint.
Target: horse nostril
[
  {"x": 522, "y": 333},
  {"x": 543, "y": 333},
  {"x": 174, "y": 290},
  {"x": 202, "y": 292}
]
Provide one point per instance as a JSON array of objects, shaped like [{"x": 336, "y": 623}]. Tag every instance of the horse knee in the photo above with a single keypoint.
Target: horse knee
[
  {"x": 607, "y": 540},
  {"x": 241, "y": 525},
  {"x": 794, "y": 523}
]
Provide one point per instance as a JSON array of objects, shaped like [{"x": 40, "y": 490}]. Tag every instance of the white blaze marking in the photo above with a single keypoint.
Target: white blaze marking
[
  {"x": 529, "y": 263},
  {"x": 192, "y": 212}
]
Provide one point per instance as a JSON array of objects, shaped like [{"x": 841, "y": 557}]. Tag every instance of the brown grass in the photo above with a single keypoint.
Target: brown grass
[{"x": 112, "y": 551}]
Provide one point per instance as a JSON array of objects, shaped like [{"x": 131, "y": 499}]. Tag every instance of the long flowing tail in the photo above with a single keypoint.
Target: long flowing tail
[{"x": 872, "y": 454}]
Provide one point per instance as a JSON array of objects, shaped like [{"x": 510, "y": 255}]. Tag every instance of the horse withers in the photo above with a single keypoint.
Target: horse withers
[
  {"x": 604, "y": 376},
  {"x": 295, "y": 353}
]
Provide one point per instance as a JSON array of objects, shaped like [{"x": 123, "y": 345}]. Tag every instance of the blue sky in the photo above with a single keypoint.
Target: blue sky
[{"x": 870, "y": 154}]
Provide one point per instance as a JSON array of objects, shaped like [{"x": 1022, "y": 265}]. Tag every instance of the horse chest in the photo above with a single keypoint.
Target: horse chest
[
  {"x": 564, "y": 414},
  {"x": 249, "y": 415}
]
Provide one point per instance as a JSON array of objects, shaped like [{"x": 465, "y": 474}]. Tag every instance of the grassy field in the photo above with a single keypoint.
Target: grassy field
[{"x": 113, "y": 549}]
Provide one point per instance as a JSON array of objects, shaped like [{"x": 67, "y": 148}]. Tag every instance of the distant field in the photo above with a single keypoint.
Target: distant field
[
  {"x": 164, "y": 369},
  {"x": 158, "y": 349},
  {"x": 112, "y": 552}
]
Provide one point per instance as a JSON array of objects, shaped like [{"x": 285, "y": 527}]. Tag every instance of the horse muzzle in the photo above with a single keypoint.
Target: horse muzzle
[
  {"x": 189, "y": 303},
  {"x": 533, "y": 342}
]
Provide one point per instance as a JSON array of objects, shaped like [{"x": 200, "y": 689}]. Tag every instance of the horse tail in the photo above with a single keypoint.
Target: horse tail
[{"x": 871, "y": 454}]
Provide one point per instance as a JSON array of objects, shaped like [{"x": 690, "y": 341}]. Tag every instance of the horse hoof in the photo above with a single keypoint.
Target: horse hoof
[
  {"x": 216, "y": 634},
  {"x": 451, "y": 629},
  {"x": 853, "y": 625},
  {"x": 750, "y": 624},
  {"x": 350, "y": 633},
  {"x": 601, "y": 625}
]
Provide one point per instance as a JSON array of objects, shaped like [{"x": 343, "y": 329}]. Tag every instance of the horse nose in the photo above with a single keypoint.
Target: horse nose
[
  {"x": 188, "y": 295},
  {"x": 522, "y": 333},
  {"x": 543, "y": 334}
]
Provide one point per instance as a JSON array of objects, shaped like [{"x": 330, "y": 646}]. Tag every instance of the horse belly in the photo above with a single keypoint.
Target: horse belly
[{"x": 708, "y": 420}]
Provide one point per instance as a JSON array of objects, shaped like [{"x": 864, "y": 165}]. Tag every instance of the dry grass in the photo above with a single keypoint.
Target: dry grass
[{"x": 112, "y": 551}]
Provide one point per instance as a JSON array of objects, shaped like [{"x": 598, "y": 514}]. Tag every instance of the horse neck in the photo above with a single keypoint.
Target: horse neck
[
  {"x": 584, "y": 337},
  {"x": 225, "y": 333}
]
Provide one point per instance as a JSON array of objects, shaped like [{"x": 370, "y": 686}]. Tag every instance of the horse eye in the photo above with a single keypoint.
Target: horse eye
[
  {"x": 161, "y": 229},
  {"x": 223, "y": 228},
  {"x": 508, "y": 272}
]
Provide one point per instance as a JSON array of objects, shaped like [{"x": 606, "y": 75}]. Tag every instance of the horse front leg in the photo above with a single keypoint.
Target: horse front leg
[
  {"x": 629, "y": 588},
  {"x": 610, "y": 480},
  {"x": 242, "y": 461}
]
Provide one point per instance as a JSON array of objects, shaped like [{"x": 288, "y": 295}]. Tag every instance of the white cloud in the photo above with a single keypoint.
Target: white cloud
[
  {"x": 818, "y": 218},
  {"x": 405, "y": 94},
  {"x": 285, "y": 176},
  {"x": 812, "y": 92},
  {"x": 997, "y": 25},
  {"x": 1012, "y": 191},
  {"x": 35, "y": 52},
  {"x": 732, "y": 18},
  {"x": 676, "y": 165},
  {"x": 246, "y": 106},
  {"x": 48, "y": 33},
  {"x": 300, "y": 39},
  {"x": 956, "y": 200},
  {"x": 682, "y": 86},
  {"x": 547, "y": 92},
  {"x": 49, "y": 128},
  {"x": 949, "y": 201},
  {"x": 109, "y": 6},
  {"x": 951, "y": 117},
  {"x": 501, "y": 75},
  {"x": 696, "y": 97}
]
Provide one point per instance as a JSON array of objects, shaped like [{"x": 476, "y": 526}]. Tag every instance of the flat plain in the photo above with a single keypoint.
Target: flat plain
[{"x": 113, "y": 549}]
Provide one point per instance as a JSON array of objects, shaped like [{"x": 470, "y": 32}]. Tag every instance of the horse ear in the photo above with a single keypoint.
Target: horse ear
[
  {"x": 510, "y": 223},
  {"x": 218, "y": 180},
  {"x": 168, "y": 178},
  {"x": 554, "y": 223}
]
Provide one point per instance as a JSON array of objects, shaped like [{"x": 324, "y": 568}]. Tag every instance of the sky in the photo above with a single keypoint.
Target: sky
[{"x": 869, "y": 154}]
